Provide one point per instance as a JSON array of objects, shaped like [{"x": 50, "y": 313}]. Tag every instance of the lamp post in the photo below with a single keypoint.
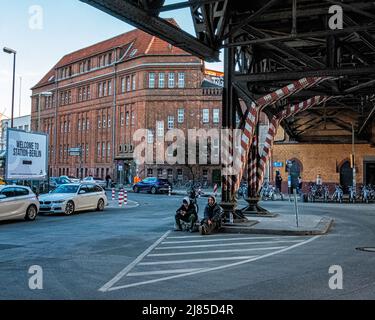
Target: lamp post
[{"x": 11, "y": 51}]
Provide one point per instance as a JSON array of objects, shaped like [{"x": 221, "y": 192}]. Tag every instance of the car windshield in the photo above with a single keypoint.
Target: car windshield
[{"x": 66, "y": 189}]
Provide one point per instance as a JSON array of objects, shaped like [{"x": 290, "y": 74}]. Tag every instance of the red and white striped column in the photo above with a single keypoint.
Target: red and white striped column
[{"x": 121, "y": 197}]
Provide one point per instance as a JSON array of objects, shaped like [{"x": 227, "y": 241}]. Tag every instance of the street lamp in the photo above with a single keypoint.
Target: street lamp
[
  {"x": 42, "y": 94},
  {"x": 11, "y": 51}
]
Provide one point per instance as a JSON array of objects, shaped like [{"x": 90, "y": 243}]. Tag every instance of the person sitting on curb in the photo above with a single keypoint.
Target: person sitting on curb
[
  {"x": 186, "y": 213},
  {"x": 212, "y": 217}
]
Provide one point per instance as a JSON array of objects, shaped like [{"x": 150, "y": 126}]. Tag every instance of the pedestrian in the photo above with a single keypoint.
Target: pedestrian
[
  {"x": 278, "y": 181},
  {"x": 108, "y": 180},
  {"x": 319, "y": 180},
  {"x": 186, "y": 213},
  {"x": 213, "y": 215}
]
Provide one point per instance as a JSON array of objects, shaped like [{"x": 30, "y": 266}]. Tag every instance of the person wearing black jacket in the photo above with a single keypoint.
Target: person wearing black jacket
[
  {"x": 212, "y": 217},
  {"x": 187, "y": 213}
]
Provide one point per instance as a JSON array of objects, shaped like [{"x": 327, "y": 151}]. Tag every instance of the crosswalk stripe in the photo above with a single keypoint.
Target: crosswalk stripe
[
  {"x": 194, "y": 260},
  {"x": 151, "y": 273},
  {"x": 225, "y": 244},
  {"x": 212, "y": 251},
  {"x": 225, "y": 239}
]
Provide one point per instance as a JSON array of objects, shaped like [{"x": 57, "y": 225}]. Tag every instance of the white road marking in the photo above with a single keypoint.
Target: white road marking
[
  {"x": 212, "y": 251},
  {"x": 126, "y": 270},
  {"x": 150, "y": 273},
  {"x": 215, "y": 268},
  {"x": 225, "y": 244},
  {"x": 194, "y": 260},
  {"x": 225, "y": 239}
]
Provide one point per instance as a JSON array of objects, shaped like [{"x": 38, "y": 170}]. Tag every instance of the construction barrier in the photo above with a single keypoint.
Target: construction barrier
[{"x": 121, "y": 198}]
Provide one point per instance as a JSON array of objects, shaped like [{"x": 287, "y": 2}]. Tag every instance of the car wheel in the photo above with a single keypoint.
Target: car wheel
[
  {"x": 31, "y": 213},
  {"x": 136, "y": 189},
  {"x": 153, "y": 190},
  {"x": 69, "y": 208},
  {"x": 100, "y": 206}
]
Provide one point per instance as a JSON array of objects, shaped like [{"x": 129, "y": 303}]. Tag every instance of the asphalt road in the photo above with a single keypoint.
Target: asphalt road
[{"x": 132, "y": 253}]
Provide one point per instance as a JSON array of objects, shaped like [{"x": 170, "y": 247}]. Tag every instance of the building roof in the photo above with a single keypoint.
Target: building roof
[{"x": 141, "y": 44}]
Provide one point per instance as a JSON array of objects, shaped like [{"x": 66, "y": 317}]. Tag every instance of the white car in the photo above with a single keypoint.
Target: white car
[
  {"x": 98, "y": 181},
  {"x": 73, "y": 197},
  {"x": 18, "y": 202}
]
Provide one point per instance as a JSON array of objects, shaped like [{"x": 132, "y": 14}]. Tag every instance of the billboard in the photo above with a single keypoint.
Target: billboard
[{"x": 27, "y": 155}]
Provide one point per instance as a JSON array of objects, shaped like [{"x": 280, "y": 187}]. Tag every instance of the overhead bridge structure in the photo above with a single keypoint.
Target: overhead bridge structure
[{"x": 309, "y": 65}]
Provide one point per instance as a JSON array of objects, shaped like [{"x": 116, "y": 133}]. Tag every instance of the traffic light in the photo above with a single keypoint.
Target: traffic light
[{"x": 352, "y": 161}]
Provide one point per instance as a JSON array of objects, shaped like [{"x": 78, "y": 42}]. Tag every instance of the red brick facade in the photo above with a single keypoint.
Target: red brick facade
[{"x": 104, "y": 93}]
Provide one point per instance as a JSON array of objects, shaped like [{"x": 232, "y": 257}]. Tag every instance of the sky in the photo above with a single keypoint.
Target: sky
[{"x": 43, "y": 31}]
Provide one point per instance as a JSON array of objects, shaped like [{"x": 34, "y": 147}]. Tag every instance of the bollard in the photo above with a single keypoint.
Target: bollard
[
  {"x": 125, "y": 197},
  {"x": 169, "y": 191},
  {"x": 120, "y": 198},
  {"x": 113, "y": 194}
]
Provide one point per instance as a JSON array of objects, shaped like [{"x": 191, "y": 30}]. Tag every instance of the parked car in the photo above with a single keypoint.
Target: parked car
[
  {"x": 72, "y": 179},
  {"x": 96, "y": 180},
  {"x": 153, "y": 185},
  {"x": 18, "y": 202},
  {"x": 74, "y": 197},
  {"x": 2, "y": 182},
  {"x": 57, "y": 181}
]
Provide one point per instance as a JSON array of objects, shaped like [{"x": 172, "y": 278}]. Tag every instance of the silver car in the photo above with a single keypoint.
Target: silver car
[
  {"x": 18, "y": 202},
  {"x": 96, "y": 180},
  {"x": 73, "y": 197}
]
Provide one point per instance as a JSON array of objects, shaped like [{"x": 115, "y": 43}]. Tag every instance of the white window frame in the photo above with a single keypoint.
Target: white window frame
[
  {"x": 161, "y": 80},
  {"x": 160, "y": 128},
  {"x": 181, "y": 115},
  {"x": 181, "y": 79},
  {"x": 206, "y": 115},
  {"x": 151, "y": 80},
  {"x": 216, "y": 116},
  {"x": 150, "y": 136},
  {"x": 170, "y": 122},
  {"x": 171, "y": 80}
]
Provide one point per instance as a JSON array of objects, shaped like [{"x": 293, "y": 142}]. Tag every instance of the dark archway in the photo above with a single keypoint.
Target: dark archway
[{"x": 346, "y": 176}]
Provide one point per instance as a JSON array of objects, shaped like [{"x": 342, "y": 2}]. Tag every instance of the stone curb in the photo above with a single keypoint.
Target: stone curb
[{"x": 321, "y": 228}]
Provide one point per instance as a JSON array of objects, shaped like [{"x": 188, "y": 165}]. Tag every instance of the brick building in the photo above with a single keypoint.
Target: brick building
[{"x": 97, "y": 97}]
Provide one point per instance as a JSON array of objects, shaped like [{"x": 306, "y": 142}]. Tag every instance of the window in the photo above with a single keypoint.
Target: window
[
  {"x": 150, "y": 136},
  {"x": 104, "y": 121},
  {"x": 181, "y": 115},
  {"x": 87, "y": 149},
  {"x": 79, "y": 94},
  {"x": 160, "y": 128},
  {"x": 88, "y": 93},
  {"x": 108, "y": 149},
  {"x": 170, "y": 122},
  {"x": 84, "y": 94},
  {"x": 104, "y": 89},
  {"x": 122, "y": 119},
  {"x": 149, "y": 172},
  {"x": 83, "y": 125},
  {"x": 100, "y": 90},
  {"x": 161, "y": 80},
  {"x": 109, "y": 121},
  {"x": 206, "y": 115},
  {"x": 134, "y": 85},
  {"x": 160, "y": 173},
  {"x": 99, "y": 122},
  {"x": 133, "y": 118},
  {"x": 87, "y": 124},
  {"x": 122, "y": 85},
  {"x": 216, "y": 148},
  {"x": 103, "y": 149},
  {"x": 151, "y": 80},
  {"x": 181, "y": 80},
  {"x": 127, "y": 118},
  {"x": 128, "y": 84},
  {"x": 170, "y": 174},
  {"x": 179, "y": 175},
  {"x": 98, "y": 149},
  {"x": 109, "y": 88},
  {"x": 216, "y": 115},
  {"x": 171, "y": 80}
]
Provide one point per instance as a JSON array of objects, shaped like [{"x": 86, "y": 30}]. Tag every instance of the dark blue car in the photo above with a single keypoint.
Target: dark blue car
[{"x": 153, "y": 185}]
